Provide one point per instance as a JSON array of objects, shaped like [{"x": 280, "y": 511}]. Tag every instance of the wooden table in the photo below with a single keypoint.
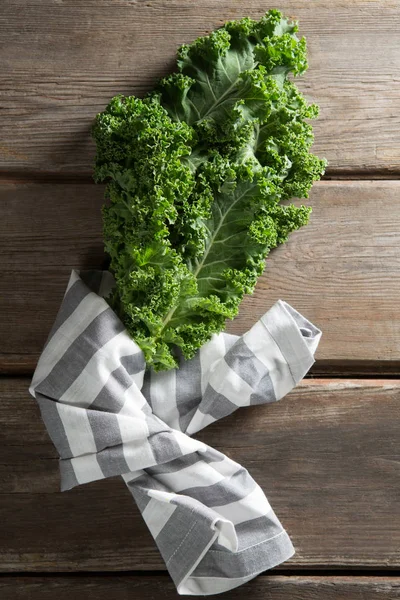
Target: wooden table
[{"x": 328, "y": 456}]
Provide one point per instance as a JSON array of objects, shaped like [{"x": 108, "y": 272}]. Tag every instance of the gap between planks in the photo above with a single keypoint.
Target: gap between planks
[
  {"x": 151, "y": 586},
  {"x": 54, "y": 177},
  {"x": 14, "y": 365},
  {"x": 361, "y": 572}
]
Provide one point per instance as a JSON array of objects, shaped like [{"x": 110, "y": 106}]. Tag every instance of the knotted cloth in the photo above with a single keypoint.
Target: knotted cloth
[{"x": 108, "y": 416}]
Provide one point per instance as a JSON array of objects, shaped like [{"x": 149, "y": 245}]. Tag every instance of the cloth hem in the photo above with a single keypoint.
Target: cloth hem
[
  {"x": 286, "y": 332},
  {"x": 277, "y": 550}
]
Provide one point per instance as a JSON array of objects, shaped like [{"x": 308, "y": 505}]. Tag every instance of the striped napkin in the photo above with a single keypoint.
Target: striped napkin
[{"x": 108, "y": 416}]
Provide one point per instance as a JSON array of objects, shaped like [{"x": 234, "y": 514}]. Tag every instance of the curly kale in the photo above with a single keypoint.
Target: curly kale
[{"x": 196, "y": 173}]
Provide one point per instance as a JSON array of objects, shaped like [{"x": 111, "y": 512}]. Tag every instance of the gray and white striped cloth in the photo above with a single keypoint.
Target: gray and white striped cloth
[{"x": 108, "y": 416}]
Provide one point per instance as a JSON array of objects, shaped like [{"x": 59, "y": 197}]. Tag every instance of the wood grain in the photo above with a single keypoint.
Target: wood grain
[
  {"x": 126, "y": 587},
  {"x": 341, "y": 271},
  {"x": 326, "y": 456},
  {"x": 62, "y": 61}
]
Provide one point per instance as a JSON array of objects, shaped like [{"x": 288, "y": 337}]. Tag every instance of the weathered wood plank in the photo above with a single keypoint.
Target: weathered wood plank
[
  {"x": 327, "y": 457},
  {"x": 45, "y": 231},
  {"x": 150, "y": 587},
  {"x": 342, "y": 270},
  {"x": 62, "y": 61}
]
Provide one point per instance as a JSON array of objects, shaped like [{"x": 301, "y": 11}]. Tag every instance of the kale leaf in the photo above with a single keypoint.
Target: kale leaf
[{"x": 196, "y": 174}]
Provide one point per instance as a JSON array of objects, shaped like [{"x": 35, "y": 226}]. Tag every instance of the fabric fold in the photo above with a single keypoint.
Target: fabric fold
[{"x": 107, "y": 415}]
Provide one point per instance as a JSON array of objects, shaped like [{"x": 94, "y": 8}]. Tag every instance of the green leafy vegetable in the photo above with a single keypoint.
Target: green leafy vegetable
[{"x": 196, "y": 173}]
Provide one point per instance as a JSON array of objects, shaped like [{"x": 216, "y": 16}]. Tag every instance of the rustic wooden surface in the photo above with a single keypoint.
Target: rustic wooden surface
[
  {"x": 342, "y": 270},
  {"x": 126, "y": 587},
  {"x": 63, "y": 60},
  {"x": 327, "y": 455}
]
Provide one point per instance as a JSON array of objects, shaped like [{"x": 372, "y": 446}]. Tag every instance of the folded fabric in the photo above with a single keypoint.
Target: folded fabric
[{"x": 108, "y": 416}]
